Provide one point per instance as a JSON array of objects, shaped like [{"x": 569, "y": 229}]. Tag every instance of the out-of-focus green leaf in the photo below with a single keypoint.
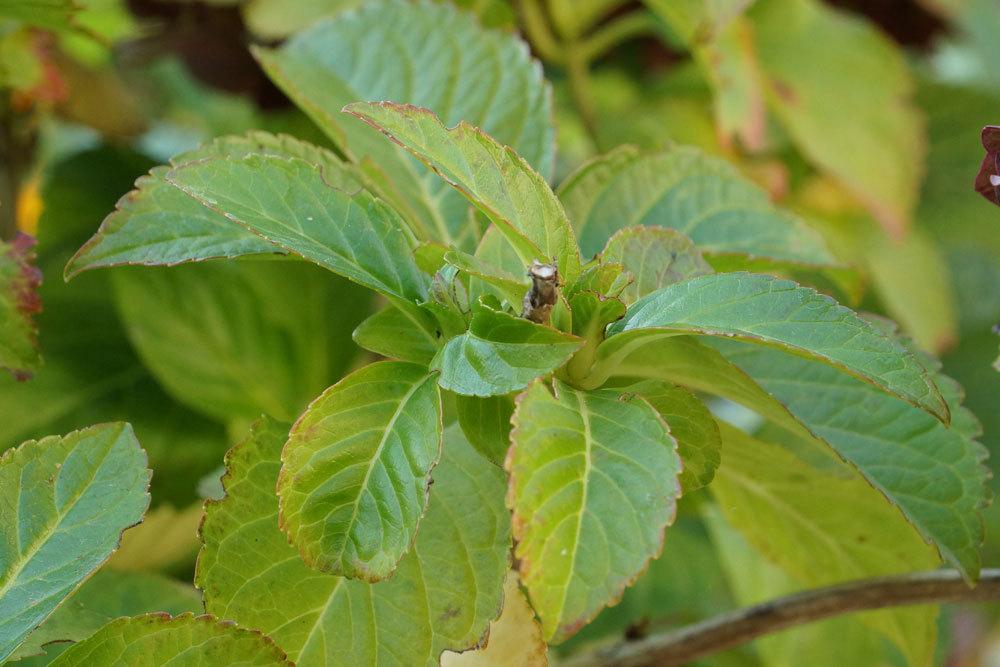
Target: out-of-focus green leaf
[
  {"x": 694, "y": 21},
  {"x": 933, "y": 472},
  {"x": 723, "y": 46},
  {"x": 691, "y": 425},
  {"x": 106, "y": 596},
  {"x": 656, "y": 256},
  {"x": 593, "y": 487},
  {"x": 157, "y": 639},
  {"x": 442, "y": 597},
  {"x": 157, "y": 224},
  {"x": 853, "y": 115},
  {"x": 91, "y": 373},
  {"x": 48, "y": 14},
  {"x": 19, "y": 302},
  {"x": 501, "y": 353},
  {"x": 166, "y": 540},
  {"x": 397, "y": 333},
  {"x": 66, "y": 501},
  {"x": 753, "y": 579},
  {"x": 356, "y": 470},
  {"x": 780, "y": 313},
  {"x": 277, "y": 19},
  {"x": 684, "y": 189},
  {"x": 822, "y": 527},
  {"x": 426, "y": 54},
  {"x": 235, "y": 339},
  {"x": 485, "y": 421},
  {"x": 502, "y": 184}
]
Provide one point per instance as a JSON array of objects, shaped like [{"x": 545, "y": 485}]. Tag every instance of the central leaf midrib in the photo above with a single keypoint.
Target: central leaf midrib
[{"x": 374, "y": 460}]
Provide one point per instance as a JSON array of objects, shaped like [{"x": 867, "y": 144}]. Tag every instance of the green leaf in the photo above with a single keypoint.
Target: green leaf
[
  {"x": 692, "y": 425},
  {"x": 157, "y": 639},
  {"x": 157, "y": 224},
  {"x": 933, "y": 472},
  {"x": 780, "y": 313},
  {"x": 107, "y": 596},
  {"x": 593, "y": 486},
  {"x": 235, "y": 339},
  {"x": 48, "y": 14},
  {"x": 685, "y": 361},
  {"x": 19, "y": 301},
  {"x": 824, "y": 526},
  {"x": 852, "y": 116},
  {"x": 508, "y": 286},
  {"x": 442, "y": 596},
  {"x": 398, "y": 333},
  {"x": 485, "y": 421},
  {"x": 656, "y": 256},
  {"x": 682, "y": 188},
  {"x": 501, "y": 353},
  {"x": 430, "y": 55},
  {"x": 497, "y": 180},
  {"x": 356, "y": 470},
  {"x": 65, "y": 504},
  {"x": 834, "y": 642},
  {"x": 289, "y": 202}
]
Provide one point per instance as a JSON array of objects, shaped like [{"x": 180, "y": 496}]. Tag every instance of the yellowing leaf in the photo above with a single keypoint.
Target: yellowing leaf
[
  {"x": 843, "y": 92},
  {"x": 515, "y": 639}
]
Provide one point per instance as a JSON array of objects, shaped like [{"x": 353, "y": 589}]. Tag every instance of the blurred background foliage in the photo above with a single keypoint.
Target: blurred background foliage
[{"x": 863, "y": 116}]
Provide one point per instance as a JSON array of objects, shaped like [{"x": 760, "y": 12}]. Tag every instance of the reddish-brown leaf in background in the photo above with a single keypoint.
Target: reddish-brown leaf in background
[
  {"x": 19, "y": 302},
  {"x": 988, "y": 178}
]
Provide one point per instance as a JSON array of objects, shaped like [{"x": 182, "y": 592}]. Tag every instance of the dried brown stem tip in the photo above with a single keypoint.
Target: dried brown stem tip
[{"x": 544, "y": 292}]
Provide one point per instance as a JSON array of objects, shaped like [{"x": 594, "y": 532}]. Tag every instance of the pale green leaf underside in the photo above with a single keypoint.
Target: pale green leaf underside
[
  {"x": 64, "y": 503},
  {"x": 356, "y": 470},
  {"x": 496, "y": 179},
  {"x": 691, "y": 425},
  {"x": 779, "y": 313},
  {"x": 155, "y": 640},
  {"x": 108, "y": 595},
  {"x": 289, "y": 202},
  {"x": 823, "y": 527},
  {"x": 933, "y": 472},
  {"x": 684, "y": 189},
  {"x": 442, "y": 596},
  {"x": 501, "y": 353},
  {"x": 655, "y": 256},
  {"x": 18, "y": 303},
  {"x": 594, "y": 485},
  {"x": 431, "y": 55},
  {"x": 157, "y": 224}
]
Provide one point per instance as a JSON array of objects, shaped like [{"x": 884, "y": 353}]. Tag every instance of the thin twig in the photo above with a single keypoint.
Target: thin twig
[{"x": 732, "y": 629}]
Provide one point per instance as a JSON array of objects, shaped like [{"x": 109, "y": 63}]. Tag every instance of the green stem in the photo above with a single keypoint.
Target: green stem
[
  {"x": 620, "y": 30},
  {"x": 539, "y": 33}
]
